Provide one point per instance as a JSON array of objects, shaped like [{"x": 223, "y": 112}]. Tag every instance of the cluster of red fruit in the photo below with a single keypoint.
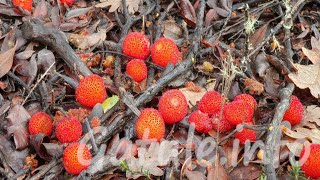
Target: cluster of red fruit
[
  {"x": 27, "y": 4},
  {"x": 76, "y": 156},
  {"x": 137, "y": 46}
]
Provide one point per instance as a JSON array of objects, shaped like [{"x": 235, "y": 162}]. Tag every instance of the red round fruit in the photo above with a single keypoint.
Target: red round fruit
[
  {"x": 136, "y": 45},
  {"x": 68, "y": 2},
  {"x": 311, "y": 166},
  {"x": 210, "y": 103},
  {"x": 151, "y": 123},
  {"x": 24, "y": 4},
  {"x": 165, "y": 51},
  {"x": 222, "y": 125},
  {"x": 246, "y": 135},
  {"x": 201, "y": 121},
  {"x": 40, "y": 122},
  {"x": 295, "y": 112},
  {"x": 76, "y": 158},
  {"x": 237, "y": 112},
  {"x": 137, "y": 69},
  {"x": 173, "y": 106},
  {"x": 68, "y": 130},
  {"x": 91, "y": 90},
  {"x": 248, "y": 99}
]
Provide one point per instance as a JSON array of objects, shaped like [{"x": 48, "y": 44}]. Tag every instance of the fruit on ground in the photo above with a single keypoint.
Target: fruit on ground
[
  {"x": 67, "y": 2},
  {"x": 24, "y": 4},
  {"x": 246, "y": 135},
  {"x": 40, "y": 122},
  {"x": 311, "y": 166},
  {"x": 76, "y": 158},
  {"x": 136, "y": 45},
  {"x": 91, "y": 90},
  {"x": 201, "y": 121},
  {"x": 173, "y": 106},
  {"x": 150, "y": 125},
  {"x": 295, "y": 112},
  {"x": 237, "y": 112},
  {"x": 68, "y": 130},
  {"x": 248, "y": 99},
  {"x": 210, "y": 103},
  {"x": 165, "y": 51},
  {"x": 222, "y": 125},
  {"x": 137, "y": 69}
]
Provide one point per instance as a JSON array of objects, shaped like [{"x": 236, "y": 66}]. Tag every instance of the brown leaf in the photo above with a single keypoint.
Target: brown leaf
[
  {"x": 37, "y": 142},
  {"x": 258, "y": 36},
  {"x": 14, "y": 158},
  {"x": 18, "y": 118},
  {"x": 303, "y": 133},
  {"x": 132, "y": 5},
  {"x": 77, "y": 12},
  {"x": 41, "y": 10},
  {"x": 261, "y": 64},
  {"x": 314, "y": 53},
  {"x": 193, "y": 97},
  {"x": 172, "y": 30},
  {"x": 195, "y": 175},
  {"x": 307, "y": 77},
  {"x": 45, "y": 59},
  {"x": 188, "y": 13},
  {"x": 6, "y": 61},
  {"x": 210, "y": 16},
  {"x": 217, "y": 172},
  {"x": 84, "y": 42},
  {"x": 254, "y": 86},
  {"x": 312, "y": 114},
  {"x": 250, "y": 172},
  {"x": 24, "y": 55}
]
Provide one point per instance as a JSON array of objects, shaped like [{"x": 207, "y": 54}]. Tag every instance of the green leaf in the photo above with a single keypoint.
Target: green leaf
[{"x": 109, "y": 103}]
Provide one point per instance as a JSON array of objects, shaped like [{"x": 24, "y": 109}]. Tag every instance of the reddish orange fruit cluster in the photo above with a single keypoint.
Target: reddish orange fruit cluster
[
  {"x": 40, "y": 122},
  {"x": 294, "y": 114},
  {"x": 201, "y": 121},
  {"x": 137, "y": 69},
  {"x": 68, "y": 129},
  {"x": 173, "y": 106},
  {"x": 91, "y": 90},
  {"x": 76, "y": 158},
  {"x": 24, "y": 4},
  {"x": 165, "y": 51},
  {"x": 136, "y": 45},
  {"x": 150, "y": 125},
  {"x": 311, "y": 166}
]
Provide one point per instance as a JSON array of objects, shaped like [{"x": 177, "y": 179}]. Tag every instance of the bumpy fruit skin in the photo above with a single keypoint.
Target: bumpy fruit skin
[
  {"x": 224, "y": 125},
  {"x": 201, "y": 121},
  {"x": 24, "y": 4},
  {"x": 90, "y": 91},
  {"x": 76, "y": 158},
  {"x": 68, "y": 2},
  {"x": 40, "y": 122},
  {"x": 165, "y": 51},
  {"x": 136, "y": 45},
  {"x": 173, "y": 106},
  {"x": 68, "y": 130},
  {"x": 311, "y": 167},
  {"x": 246, "y": 134},
  {"x": 150, "y": 120},
  {"x": 237, "y": 112},
  {"x": 210, "y": 103},
  {"x": 248, "y": 99},
  {"x": 295, "y": 112},
  {"x": 137, "y": 69}
]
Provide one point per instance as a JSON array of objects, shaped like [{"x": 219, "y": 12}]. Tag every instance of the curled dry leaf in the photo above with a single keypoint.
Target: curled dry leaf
[
  {"x": 193, "y": 97},
  {"x": 172, "y": 30},
  {"x": 307, "y": 77},
  {"x": 132, "y": 5},
  {"x": 314, "y": 53},
  {"x": 303, "y": 133},
  {"x": 85, "y": 42},
  {"x": 254, "y": 86},
  {"x": 312, "y": 114},
  {"x": 188, "y": 13},
  {"x": 261, "y": 64},
  {"x": 18, "y": 118},
  {"x": 6, "y": 61},
  {"x": 252, "y": 171}
]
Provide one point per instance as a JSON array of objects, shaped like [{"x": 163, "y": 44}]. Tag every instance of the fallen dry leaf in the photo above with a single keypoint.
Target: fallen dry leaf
[
  {"x": 193, "y": 97},
  {"x": 85, "y": 42},
  {"x": 307, "y": 77},
  {"x": 312, "y": 114},
  {"x": 254, "y": 86},
  {"x": 258, "y": 36},
  {"x": 314, "y": 53},
  {"x": 303, "y": 133},
  {"x": 132, "y": 5},
  {"x": 6, "y": 61}
]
